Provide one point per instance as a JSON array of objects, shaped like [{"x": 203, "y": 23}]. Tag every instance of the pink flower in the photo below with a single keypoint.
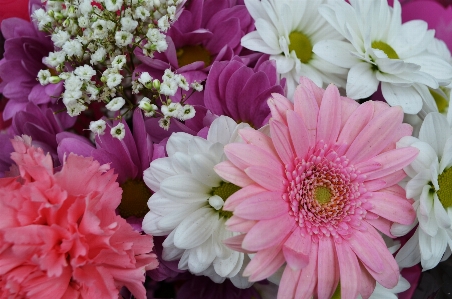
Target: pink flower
[
  {"x": 314, "y": 193},
  {"x": 59, "y": 234}
]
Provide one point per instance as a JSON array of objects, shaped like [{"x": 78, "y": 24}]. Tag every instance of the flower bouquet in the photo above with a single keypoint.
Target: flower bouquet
[{"x": 225, "y": 149}]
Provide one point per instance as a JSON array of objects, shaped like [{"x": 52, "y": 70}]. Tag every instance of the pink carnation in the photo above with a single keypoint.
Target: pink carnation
[
  {"x": 315, "y": 192},
  {"x": 59, "y": 234}
]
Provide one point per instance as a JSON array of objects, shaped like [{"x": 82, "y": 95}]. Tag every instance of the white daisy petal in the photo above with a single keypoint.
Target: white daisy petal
[
  {"x": 446, "y": 160},
  {"x": 406, "y": 97},
  {"x": 442, "y": 218},
  {"x": 361, "y": 81},
  {"x": 196, "y": 228},
  {"x": 435, "y": 131},
  {"x": 184, "y": 188},
  {"x": 410, "y": 254}
]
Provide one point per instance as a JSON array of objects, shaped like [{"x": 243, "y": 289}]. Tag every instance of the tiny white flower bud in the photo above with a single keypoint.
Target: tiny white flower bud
[
  {"x": 187, "y": 112},
  {"x": 44, "y": 76},
  {"x": 216, "y": 202},
  {"x": 54, "y": 79},
  {"x": 118, "y": 62},
  {"x": 164, "y": 123}
]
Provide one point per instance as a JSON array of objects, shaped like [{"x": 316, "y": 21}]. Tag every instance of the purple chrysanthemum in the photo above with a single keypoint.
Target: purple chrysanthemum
[
  {"x": 25, "y": 47},
  {"x": 240, "y": 92}
]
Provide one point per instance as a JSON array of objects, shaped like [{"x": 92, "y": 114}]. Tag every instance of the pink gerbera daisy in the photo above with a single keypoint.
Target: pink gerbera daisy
[{"x": 314, "y": 193}]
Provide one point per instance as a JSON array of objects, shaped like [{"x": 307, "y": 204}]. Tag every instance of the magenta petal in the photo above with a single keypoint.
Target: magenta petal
[
  {"x": 268, "y": 233},
  {"x": 296, "y": 250},
  {"x": 267, "y": 205}
]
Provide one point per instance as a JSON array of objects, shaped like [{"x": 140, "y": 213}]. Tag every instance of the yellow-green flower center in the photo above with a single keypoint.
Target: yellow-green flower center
[
  {"x": 441, "y": 102},
  {"x": 385, "y": 48},
  {"x": 337, "y": 293},
  {"x": 135, "y": 195},
  {"x": 322, "y": 195},
  {"x": 302, "y": 46},
  {"x": 224, "y": 191},
  {"x": 445, "y": 188},
  {"x": 190, "y": 54}
]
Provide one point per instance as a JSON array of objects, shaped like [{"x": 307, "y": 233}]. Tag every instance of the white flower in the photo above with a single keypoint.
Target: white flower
[
  {"x": 168, "y": 88},
  {"x": 171, "y": 110},
  {"x": 98, "y": 126},
  {"x": 145, "y": 78},
  {"x": 430, "y": 185},
  {"x": 85, "y": 72},
  {"x": 288, "y": 30},
  {"x": 163, "y": 23},
  {"x": 113, "y": 5},
  {"x": 128, "y": 24},
  {"x": 85, "y": 7},
  {"x": 83, "y": 22},
  {"x": 148, "y": 108},
  {"x": 71, "y": 96},
  {"x": 118, "y": 131},
  {"x": 73, "y": 48},
  {"x": 382, "y": 49},
  {"x": 187, "y": 112},
  {"x": 118, "y": 62},
  {"x": 74, "y": 108},
  {"x": 164, "y": 123},
  {"x": 161, "y": 45},
  {"x": 41, "y": 16},
  {"x": 181, "y": 82},
  {"x": 43, "y": 77},
  {"x": 115, "y": 104},
  {"x": 141, "y": 13},
  {"x": 98, "y": 56},
  {"x": 197, "y": 86},
  {"x": 114, "y": 79},
  {"x": 123, "y": 38},
  {"x": 184, "y": 183},
  {"x": 60, "y": 38},
  {"x": 101, "y": 28},
  {"x": 55, "y": 58},
  {"x": 73, "y": 83}
]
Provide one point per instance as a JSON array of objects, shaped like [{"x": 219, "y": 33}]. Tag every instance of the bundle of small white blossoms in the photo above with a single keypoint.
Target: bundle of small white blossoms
[{"x": 94, "y": 56}]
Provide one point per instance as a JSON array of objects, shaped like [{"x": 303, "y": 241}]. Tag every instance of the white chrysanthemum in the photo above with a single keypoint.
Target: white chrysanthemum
[
  {"x": 382, "y": 49},
  {"x": 429, "y": 183},
  {"x": 288, "y": 30},
  {"x": 187, "y": 203}
]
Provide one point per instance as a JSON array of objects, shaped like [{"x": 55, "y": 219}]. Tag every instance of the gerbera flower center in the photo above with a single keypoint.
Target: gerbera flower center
[
  {"x": 325, "y": 193},
  {"x": 302, "y": 46},
  {"x": 135, "y": 195},
  {"x": 445, "y": 188},
  {"x": 190, "y": 54},
  {"x": 387, "y": 49},
  {"x": 224, "y": 191},
  {"x": 322, "y": 195}
]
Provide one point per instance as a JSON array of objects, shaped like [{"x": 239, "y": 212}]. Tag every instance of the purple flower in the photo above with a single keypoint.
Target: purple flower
[
  {"x": 6, "y": 149},
  {"x": 25, "y": 47},
  {"x": 128, "y": 157},
  {"x": 198, "y": 38},
  {"x": 42, "y": 125},
  {"x": 241, "y": 92},
  {"x": 166, "y": 269}
]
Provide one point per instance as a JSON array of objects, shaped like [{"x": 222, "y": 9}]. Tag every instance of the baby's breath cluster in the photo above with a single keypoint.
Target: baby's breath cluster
[{"x": 94, "y": 55}]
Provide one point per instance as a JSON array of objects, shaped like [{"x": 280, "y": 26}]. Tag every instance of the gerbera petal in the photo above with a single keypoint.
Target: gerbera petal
[
  {"x": 275, "y": 229},
  {"x": 299, "y": 134},
  {"x": 308, "y": 277},
  {"x": 258, "y": 139},
  {"x": 241, "y": 195},
  {"x": 329, "y": 117},
  {"x": 289, "y": 282},
  {"x": 328, "y": 269},
  {"x": 265, "y": 176},
  {"x": 296, "y": 250},
  {"x": 232, "y": 174},
  {"x": 305, "y": 105},
  {"x": 264, "y": 263},
  {"x": 350, "y": 275},
  {"x": 383, "y": 205},
  {"x": 237, "y": 224},
  {"x": 265, "y": 205},
  {"x": 281, "y": 140},
  {"x": 279, "y": 105},
  {"x": 365, "y": 248},
  {"x": 244, "y": 155},
  {"x": 375, "y": 136}
]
